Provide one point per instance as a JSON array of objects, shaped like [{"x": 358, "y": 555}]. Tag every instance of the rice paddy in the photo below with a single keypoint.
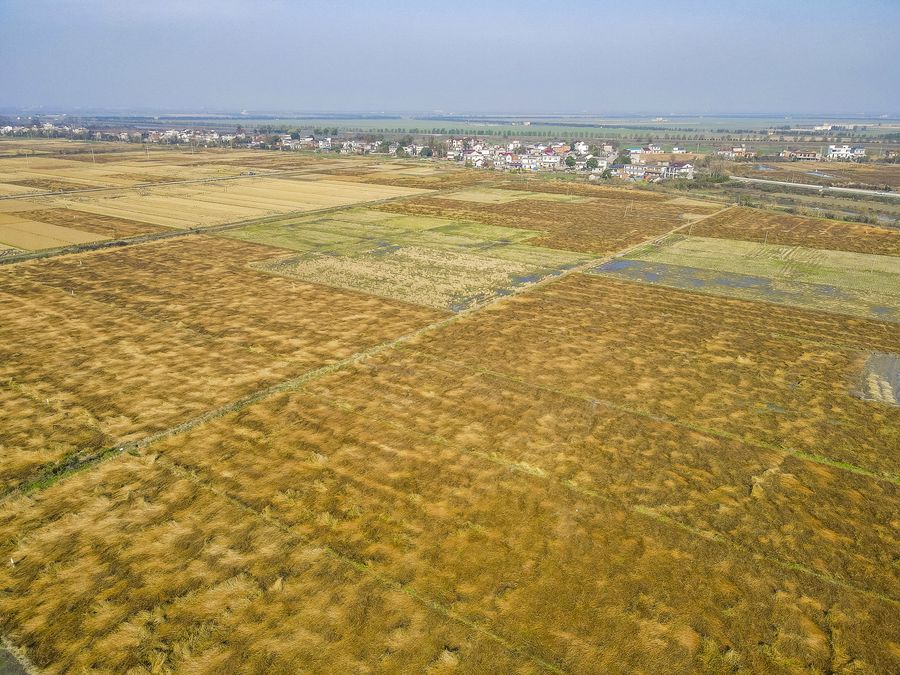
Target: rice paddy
[{"x": 445, "y": 432}]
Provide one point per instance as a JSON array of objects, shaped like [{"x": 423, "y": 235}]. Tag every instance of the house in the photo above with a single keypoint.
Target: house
[
  {"x": 654, "y": 148},
  {"x": 680, "y": 170},
  {"x": 803, "y": 155},
  {"x": 845, "y": 152},
  {"x": 531, "y": 162},
  {"x": 550, "y": 160},
  {"x": 678, "y": 151},
  {"x": 634, "y": 171},
  {"x": 581, "y": 147},
  {"x": 474, "y": 158},
  {"x": 737, "y": 152}
]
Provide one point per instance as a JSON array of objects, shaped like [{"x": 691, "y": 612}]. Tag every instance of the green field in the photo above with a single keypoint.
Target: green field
[
  {"x": 436, "y": 262},
  {"x": 876, "y": 274},
  {"x": 834, "y": 281}
]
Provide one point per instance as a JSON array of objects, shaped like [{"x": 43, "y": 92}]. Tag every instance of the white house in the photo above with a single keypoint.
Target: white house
[
  {"x": 530, "y": 162},
  {"x": 581, "y": 147},
  {"x": 845, "y": 152}
]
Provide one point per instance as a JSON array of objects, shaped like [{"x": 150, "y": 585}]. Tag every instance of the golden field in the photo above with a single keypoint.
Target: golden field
[
  {"x": 56, "y": 201},
  {"x": 453, "y": 432}
]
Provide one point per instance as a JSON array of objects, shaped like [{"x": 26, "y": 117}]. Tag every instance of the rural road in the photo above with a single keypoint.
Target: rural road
[{"x": 858, "y": 191}]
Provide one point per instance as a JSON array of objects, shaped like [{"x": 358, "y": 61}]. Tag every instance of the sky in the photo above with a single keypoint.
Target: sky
[{"x": 563, "y": 56}]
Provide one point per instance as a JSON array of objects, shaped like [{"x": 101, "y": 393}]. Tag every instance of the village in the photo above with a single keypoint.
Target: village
[{"x": 650, "y": 163}]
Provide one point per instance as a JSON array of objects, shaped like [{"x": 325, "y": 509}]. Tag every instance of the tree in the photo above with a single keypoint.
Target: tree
[
  {"x": 623, "y": 158},
  {"x": 427, "y": 152},
  {"x": 570, "y": 161},
  {"x": 592, "y": 163}
]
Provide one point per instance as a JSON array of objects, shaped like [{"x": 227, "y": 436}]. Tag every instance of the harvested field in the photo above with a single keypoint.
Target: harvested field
[
  {"x": 437, "y": 278},
  {"x": 134, "y": 568},
  {"x": 778, "y": 228},
  {"x": 109, "y": 227},
  {"x": 600, "y": 225},
  {"x": 129, "y": 342},
  {"x": 564, "y": 187},
  {"x": 443, "y": 180},
  {"x": 216, "y": 203},
  {"x": 20, "y": 232},
  {"x": 769, "y": 375},
  {"x": 497, "y": 196},
  {"x": 275, "y": 448},
  {"x": 45, "y": 184},
  {"x": 500, "y": 542}
]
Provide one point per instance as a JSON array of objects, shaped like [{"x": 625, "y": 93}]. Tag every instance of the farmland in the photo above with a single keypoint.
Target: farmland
[
  {"x": 837, "y": 281},
  {"x": 363, "y": 416},
  {"x": 840, "y": 174},
  {"x": 601, "y": 224},
  {"x": 58, "y": 201},
  {"x": 436, "y": 262},
  {"x": 777, "y": 228}
]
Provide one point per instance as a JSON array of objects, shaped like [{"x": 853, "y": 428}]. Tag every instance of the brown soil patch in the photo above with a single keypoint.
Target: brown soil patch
[{"x": 109, "y": 226}]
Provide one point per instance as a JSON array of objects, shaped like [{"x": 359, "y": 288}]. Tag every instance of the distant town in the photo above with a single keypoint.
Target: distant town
[{"x": 597, "y": 160}]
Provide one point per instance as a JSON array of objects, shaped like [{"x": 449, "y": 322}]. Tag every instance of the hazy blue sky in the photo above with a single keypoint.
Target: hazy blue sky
[{"x": 453, "y": 55}]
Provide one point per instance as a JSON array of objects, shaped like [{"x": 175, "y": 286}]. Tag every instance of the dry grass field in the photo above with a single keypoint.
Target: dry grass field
[
  {"x": 445, "y": 434},
  {"x": 779, "y": 228},
  {"x": 105, "y": 347},
  {"x": 207, "y": 204},
  {"x": 522, "y": 499}
]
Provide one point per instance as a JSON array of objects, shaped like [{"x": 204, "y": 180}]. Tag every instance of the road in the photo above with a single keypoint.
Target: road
[{"x": 858, "y": 191}]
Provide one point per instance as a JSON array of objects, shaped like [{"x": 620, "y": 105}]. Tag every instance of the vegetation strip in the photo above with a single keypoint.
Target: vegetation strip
[
  {"x": 641, "y": 510},
  {"x": 193, "y": 476}
]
